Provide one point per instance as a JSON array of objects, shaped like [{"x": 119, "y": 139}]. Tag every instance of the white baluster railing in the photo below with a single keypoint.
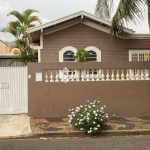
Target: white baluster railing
[
  {"x": 61, "y": 76},
  {"x": 132, "y": 75},
  {"x": 56, "y": 77},
  {"x": 97, "y": 75},
  {"x": 82, "y": 76},
  {"x": 137, "y": 75},
  {"x": 112, "y": 75},
  {"x": 147, "y": 74},
  {"x": 46, "y": 77},
  {"x": 142, "y": 74},
  {"x": 51, "y": 77},
  {"x": 127, "y": 75},
  {"x": 107, "y": 76},
  {"x": 103, "y": 76},
  {"x": 77, "y": 75},
  {"x": 87, "y": 76},
  {"x": 117, "y": 76},
  {"x": 92, "y": 76},
  {"x": 122, "y": 75},
  {"x": 72, "y": 76}
]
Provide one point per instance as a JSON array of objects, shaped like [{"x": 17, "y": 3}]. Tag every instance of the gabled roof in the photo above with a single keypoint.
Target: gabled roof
[{"x": 79, "y": 17}]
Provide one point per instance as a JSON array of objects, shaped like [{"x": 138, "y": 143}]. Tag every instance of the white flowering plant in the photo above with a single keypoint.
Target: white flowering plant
[{"x": 88, "y": 118}]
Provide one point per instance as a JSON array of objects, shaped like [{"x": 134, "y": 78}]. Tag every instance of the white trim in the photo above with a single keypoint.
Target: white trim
[
  {"x": 130, "y": 55},
  {"x": 98, "y": 52},
  {"x": 62, "y": 51},
  {"x": 39, "y": 55},
  {"x": 80, "y": 13},
  {"x": 63, "y": 19},
  {"x": 137, "y": 36},
  {"x": 41, "y": 42}
]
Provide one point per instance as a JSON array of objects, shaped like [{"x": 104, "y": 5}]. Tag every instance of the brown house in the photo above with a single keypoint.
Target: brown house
[
  {"x": 57, "y": 39},
  {"x": 123, "y": 61}
]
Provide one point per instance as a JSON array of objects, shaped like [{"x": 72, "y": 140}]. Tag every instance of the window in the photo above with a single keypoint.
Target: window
[
  {"x": 68, "y": 56},
  {"x": 93, "y": 56},
  {"x": 137, "y": 55}
]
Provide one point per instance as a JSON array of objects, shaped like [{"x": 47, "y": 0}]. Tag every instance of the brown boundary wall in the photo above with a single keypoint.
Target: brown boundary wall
[{"x": 122, "y": 98}]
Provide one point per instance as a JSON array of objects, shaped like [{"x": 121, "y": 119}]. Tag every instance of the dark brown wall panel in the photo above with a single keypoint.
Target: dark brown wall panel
[
  {"x": 122, "y": 98},
  {"x": 128, "y": 98}
]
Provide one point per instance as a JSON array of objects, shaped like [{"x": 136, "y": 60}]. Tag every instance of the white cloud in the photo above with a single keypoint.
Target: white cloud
[
  {"x": 44, "y": 20},
  {"x": 6, "y": 37},
  {"x": 4, "y": 9}
]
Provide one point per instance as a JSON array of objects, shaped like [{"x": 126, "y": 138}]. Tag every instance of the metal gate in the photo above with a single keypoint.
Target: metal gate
[{"x": 13, "y": 90}]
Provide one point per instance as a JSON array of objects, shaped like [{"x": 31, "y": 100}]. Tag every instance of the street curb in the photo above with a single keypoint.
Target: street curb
[
  {"x": 103, "y": 133},
  {"x": 17, "y": 137}
]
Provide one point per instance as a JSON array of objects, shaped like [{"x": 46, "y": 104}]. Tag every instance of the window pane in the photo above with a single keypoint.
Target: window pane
[
  {"x": 68, "y": 56},
  {"x": 92, "y": 57}
]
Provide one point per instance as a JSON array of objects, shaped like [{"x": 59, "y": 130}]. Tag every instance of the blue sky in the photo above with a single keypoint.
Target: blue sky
[{"x": 51, "y": 10}]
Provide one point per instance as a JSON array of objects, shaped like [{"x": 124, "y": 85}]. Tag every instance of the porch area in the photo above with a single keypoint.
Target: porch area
[{"x": 54, "y": 88}]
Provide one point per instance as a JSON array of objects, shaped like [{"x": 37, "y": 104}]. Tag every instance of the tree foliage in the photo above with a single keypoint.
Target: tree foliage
[
  {"x": 126, "y": 11},
  {"x": 18, "y": 29}
]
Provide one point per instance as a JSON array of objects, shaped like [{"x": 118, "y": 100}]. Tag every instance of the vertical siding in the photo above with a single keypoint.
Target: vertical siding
[{"x": 13, "y": 98}]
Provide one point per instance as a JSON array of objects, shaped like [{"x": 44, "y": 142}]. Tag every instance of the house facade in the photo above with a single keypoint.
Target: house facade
[
  {"x": 60, "y": 39},
  {"x": 116, "y": 73}
]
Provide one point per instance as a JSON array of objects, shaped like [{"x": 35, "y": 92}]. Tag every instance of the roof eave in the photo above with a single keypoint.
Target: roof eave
[
  {"x": 72, "y": 16},
  {"x": 138, "y": 36}
]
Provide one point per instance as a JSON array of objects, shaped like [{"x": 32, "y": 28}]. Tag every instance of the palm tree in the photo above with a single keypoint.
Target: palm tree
[
  {"x": 121, "y": 12},
  {"x": 24, "y": 21},
  {"x": 18, "y": 29},
  {"x": 13, "y": 28}
]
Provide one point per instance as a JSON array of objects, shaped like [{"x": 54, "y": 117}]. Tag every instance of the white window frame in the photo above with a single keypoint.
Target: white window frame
[
  {"x": 73, "y": 49},
  {"x": 138, "y": 51},
  {"x": 95, "y": 49},
  {"x": 62, "y": 51}
]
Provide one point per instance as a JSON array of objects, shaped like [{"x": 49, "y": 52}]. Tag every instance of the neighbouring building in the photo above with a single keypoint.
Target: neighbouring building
[{"x": 6, "y": 55}]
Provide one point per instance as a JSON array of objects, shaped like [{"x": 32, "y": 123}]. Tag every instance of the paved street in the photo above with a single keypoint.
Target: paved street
[{"x": 132, "y": 143}]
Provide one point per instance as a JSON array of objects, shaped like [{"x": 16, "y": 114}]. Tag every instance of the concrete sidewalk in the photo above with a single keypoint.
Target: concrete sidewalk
[
  {"x": 22, "y": 126},
  {"x": 14, "y": 126}
]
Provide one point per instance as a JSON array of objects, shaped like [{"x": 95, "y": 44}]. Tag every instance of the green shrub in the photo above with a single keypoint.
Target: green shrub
[
  {"x": 88, "y": 118},
  {"x": 81, "y": 55}
]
